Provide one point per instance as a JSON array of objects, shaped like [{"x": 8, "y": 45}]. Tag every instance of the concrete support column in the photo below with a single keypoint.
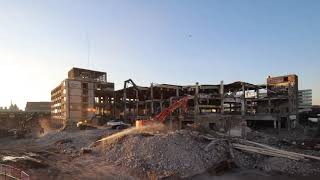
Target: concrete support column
[
  {"x": 256, "y": 103},
  {"x": 151, "y": 94},
  {"x": 137, "y": 103},
  {"x": 177, "y": 91},
  {"x": 125, "y": 104},
  {"x": 269, "y": 105},
  {"x": 288, "y": 123},
  {"x": 129, "y": 109},
  {"x": 279, "y": 123},
  {"x": 222, "y": 97},
  {"x": 114, "y": 106},
  {"x": 243, "y": 100},
  {"x": 170, "y": 120},
  {"x": 161, "y": 101},
  {"x": 179, "y": 110},
  {"x": 177, "y": 94},
  {"x": 196, "y": 98}
]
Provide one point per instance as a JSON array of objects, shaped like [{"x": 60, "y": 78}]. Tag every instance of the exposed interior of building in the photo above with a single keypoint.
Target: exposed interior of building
[{"x": 86, "y": 94}]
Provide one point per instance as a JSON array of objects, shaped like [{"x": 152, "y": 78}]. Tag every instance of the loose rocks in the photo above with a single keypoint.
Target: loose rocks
[{"x": 172, "y": 154}]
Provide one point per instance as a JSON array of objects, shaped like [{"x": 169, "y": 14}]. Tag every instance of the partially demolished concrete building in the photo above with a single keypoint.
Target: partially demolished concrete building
[
  {"x": 273, "y": 104},
  {"x": 87, "y": 93},
  {"x": 83, "y": 95}
]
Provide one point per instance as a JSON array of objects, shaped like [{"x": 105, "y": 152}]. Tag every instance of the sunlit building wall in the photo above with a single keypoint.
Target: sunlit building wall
[{"x": 83, "y": 95}]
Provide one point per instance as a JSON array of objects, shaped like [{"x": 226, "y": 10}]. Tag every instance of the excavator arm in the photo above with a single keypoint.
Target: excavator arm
[
  {"x": 161, "y": 117},
  {"x": 182, "y": 103}
]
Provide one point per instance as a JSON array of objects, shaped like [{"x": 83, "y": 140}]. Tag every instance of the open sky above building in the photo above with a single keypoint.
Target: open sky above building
[{"x": 171, "y": 41}]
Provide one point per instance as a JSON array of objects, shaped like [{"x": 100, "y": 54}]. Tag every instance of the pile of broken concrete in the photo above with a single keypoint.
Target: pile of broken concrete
[
  {"x": 179, "y": 153},
  {"x": 185, "y": 153}
]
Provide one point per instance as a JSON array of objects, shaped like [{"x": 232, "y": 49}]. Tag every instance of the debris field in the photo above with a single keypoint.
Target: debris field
[{"x": 152, "y": 153}]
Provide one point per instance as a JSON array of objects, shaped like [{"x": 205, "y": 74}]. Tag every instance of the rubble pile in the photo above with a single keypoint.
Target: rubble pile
[
  {"x": 278, "y": 165},
  {"x": 262, "y": 138},
  {"x": 65, "y": 140},
  {"x": 287, "y": 141},
  {"x": 180, "y": 153},
  {"x": 154, "y": 152},
  {"x": 66, "y": 146},
  {"x": 184, "y": 153},
  {"x": 290, "y": 167},
  {"x": 247, "y": 160}
]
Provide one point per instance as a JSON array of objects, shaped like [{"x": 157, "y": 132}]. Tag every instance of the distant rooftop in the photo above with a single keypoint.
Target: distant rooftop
[{"x": 38, "y": 106}]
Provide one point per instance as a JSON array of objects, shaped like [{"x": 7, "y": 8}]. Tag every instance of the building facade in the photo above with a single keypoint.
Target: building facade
[
  {"x": 305, "y": 100},
  {"x": 282, "y": 95},
  {"x": 83, "y": 95},
  {"x": 38, "y": 107}
]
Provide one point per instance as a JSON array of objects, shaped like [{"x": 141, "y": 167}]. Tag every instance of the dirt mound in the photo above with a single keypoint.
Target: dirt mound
[{"x": 180, "y": 153}]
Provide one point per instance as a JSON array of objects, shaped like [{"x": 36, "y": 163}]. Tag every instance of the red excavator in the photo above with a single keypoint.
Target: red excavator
[{"x": 161, "y": 117}]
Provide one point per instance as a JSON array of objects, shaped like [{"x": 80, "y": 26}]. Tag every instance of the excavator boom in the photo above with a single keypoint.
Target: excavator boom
[{"x": 161, "y": 117}]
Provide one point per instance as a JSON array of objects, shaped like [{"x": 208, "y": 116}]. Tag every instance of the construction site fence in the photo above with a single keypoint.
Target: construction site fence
[{"x": 11, "y": 172}]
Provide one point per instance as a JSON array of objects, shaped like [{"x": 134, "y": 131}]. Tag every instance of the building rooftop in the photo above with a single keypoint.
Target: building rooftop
[
  {"x": 38, "y": 107},
  {"x": 79, "y": 73}
]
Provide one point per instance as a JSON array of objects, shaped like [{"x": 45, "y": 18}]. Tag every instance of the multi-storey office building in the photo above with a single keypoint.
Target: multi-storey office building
[{"x": 83, "y": 95}]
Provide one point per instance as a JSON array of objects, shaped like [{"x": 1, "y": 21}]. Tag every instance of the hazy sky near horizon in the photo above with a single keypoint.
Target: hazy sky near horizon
[{"x": 160, "y": 41}]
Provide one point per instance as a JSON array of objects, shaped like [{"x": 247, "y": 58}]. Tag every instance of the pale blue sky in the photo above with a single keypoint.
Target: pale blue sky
[{"x": 163, "y": 41}]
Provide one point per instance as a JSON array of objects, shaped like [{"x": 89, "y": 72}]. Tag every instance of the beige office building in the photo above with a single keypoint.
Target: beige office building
[{"x": 83, "y": 95}]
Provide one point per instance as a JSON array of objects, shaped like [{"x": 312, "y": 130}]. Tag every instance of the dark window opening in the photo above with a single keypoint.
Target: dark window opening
[{"x": 85, "y": 85}]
